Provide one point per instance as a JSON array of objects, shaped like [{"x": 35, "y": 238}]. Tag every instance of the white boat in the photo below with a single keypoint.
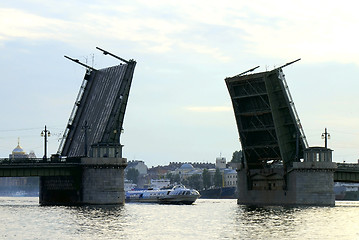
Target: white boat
[{"x": 177, "y": 195}]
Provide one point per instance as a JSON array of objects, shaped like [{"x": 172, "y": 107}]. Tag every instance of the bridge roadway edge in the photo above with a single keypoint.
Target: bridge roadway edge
[{"x": 81, "y": 181}]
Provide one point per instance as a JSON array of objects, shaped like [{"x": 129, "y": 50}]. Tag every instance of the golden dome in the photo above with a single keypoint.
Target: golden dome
[{"x": 18, "y": 150}]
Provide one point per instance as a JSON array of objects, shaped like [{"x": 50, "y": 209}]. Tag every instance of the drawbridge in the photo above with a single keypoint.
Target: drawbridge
[
  {"x": 98, "y": 113},
  {"x": 267, "y": 121},
  {"x": 88, "y": 167}
]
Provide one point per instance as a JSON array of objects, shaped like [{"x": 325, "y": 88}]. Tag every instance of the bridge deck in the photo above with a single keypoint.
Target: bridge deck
[
  {"x": 37, "y": 167},
  {"x": 50, "y": 167},
  {"x": 347, "y": 172}
]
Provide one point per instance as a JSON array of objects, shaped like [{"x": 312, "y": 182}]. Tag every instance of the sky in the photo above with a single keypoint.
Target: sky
[{"x": 179, "y": 109}]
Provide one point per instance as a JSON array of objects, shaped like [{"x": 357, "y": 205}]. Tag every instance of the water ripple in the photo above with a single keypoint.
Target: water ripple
[{"x": 23, "y": 218}]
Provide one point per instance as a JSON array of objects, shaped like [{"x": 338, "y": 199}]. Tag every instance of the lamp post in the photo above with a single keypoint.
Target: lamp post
[
  {"x": 326, "y": 136},
  {"x": 45, "y": 133}
]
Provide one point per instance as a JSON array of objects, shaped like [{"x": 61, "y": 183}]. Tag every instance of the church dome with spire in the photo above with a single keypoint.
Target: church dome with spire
[{"x": 18, "y": 152}]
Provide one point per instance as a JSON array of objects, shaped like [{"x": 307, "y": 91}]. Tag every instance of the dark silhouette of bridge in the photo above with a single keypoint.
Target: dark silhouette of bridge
[
  {"x": 346, "y": 172},
  {"x": 88, "y": 167},
  {"x": 278, "y": 166}
]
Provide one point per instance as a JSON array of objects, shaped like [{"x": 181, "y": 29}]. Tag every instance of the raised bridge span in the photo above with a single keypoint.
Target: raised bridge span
[
  {"x": 88, "y": 167},
  {"x": 278, "y": 166}
]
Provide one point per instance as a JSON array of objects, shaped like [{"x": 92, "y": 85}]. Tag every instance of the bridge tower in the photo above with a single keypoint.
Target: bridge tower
[
  {"x": 92, "y": 138},
  {"x": 277, "y": 166}
]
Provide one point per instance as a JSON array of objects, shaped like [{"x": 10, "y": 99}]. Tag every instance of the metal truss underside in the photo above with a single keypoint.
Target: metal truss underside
[{"x": 268, "y": 125}]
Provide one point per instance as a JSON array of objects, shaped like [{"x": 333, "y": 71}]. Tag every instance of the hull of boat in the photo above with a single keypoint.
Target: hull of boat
[
  {"x": 176, "y": 195},
  {"x": 171, "y": 200}
]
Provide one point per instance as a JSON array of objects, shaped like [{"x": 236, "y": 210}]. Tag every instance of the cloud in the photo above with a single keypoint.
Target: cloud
[
  {"x": 20, "y": 24},
  {"x": 213, "y": 52},
  {"x": 209, "y": 109},
  {"x": 314, "y": 31},
  {"x": 161, "y": 33}
]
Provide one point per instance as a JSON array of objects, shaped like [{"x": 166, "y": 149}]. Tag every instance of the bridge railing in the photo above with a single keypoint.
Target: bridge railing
[
  {"x": 18, "y": 161},
  {"x": 348, "y": 167}
]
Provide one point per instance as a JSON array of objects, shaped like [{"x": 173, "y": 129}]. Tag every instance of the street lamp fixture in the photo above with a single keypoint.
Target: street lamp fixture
[
  {"x": 326, "y": 136},
  {"x": 45, "y": 133}
]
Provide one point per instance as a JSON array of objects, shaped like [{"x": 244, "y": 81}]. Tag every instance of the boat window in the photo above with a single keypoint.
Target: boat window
[{"x": 168, "y": 192}]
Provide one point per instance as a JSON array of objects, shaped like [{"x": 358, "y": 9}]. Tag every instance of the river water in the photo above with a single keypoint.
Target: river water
[{"x": 23, "y": 218}]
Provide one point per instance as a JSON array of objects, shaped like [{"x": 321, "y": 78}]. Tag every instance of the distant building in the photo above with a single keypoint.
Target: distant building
[
  {"x": 230, "y": 178},
  {"x": 174, "y": 165},
  {"x": 187, "y": 170},
  {"x": 160, "y": 183},
  {"x": 18, "y": 152},
  {"x": 13, "y": 186},
  {"x": 139, "y": 165},
  {"x": 233, "y": 165},
  {"x": 220, "y": 162},
  {"x": 32, "y": 154},
  {"x": 159, "y": 171}
]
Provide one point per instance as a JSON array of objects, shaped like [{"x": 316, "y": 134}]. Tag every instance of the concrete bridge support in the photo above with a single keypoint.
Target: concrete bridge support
[
  {"x": 97, "y": 181},
  {"x": 103, "y": 181},
  {"x": 305, "y": 183},
  {"x": 312, "y": 183}
]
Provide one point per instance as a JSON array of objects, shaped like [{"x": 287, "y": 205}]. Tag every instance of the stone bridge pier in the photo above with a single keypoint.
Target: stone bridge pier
[
  {"x": 309, "y": 182},
  {"x": 95, "y": 181}
]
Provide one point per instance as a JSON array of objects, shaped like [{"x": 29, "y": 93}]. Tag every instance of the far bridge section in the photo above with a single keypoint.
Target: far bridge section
[
  {"x": 36, "y": 167},
  {"x": 277, "y": 167},
  {"x": 347, "y": 172}
]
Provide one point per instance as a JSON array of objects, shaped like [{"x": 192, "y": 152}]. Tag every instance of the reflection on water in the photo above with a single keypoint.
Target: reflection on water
[
  {"x": 100, "y": 220},
  {"x": 267, "y": 222},
  {"x": 23, "y": 218},
  {"x": 276, "y": 222}
]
